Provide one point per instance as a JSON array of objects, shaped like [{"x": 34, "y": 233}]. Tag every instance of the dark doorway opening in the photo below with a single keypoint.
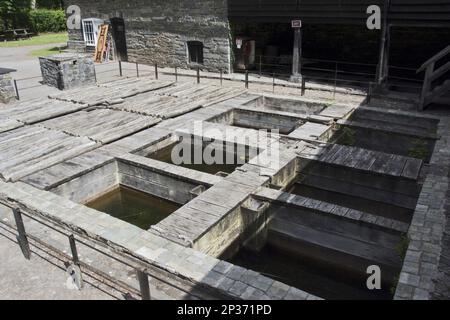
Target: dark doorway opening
[{"x": 118, "y": 33}]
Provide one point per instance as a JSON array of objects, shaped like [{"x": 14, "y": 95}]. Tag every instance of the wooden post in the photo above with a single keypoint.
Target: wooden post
[
  {"x": 143, "y": 285},
  {"x": 198, "y": 74},
  {"x": 384, "y": 45},
  {"x": 156, "y": 71},
  {"x": 75, "y": 270},
  {"x": 297, "y": 56},
  {"x": 22, "y": 236},
  {"x": 120, "y": 68},
  {"x": 426, "y": 84},
  {"x": 176, "y": 74},
  {"x": 137, "y": 70},
  {"x": 221, "y": 77}
]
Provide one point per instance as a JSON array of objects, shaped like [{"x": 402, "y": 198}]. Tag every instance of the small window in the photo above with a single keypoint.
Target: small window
[
  {"x": 90, "y": 31},
  {"x": 195, "y": 49}
]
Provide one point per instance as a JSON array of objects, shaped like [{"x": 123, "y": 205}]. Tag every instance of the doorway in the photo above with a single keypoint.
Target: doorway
[{"x": 118, "y": 33}]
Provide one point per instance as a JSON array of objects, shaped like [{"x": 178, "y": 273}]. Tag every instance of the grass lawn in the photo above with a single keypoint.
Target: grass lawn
[
  {"x": 43, "y": 38},
  {"x": 45, "y": 52}
]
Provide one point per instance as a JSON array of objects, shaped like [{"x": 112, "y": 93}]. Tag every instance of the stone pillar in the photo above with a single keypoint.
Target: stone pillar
[
  {"x": 68, "y": 70},
  {"x": 7, "y": 92},
  {"x": 296, "y": 63}
]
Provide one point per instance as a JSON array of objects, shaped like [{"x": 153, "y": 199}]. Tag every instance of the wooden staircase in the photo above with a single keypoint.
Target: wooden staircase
[{"x": 433, "y": 92}]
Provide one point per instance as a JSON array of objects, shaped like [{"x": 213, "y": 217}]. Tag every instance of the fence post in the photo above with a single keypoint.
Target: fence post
[
  {"x": 21, "y": 237},
  {"x": 95, "y": 75},
  {"x": 369, "y": 93},
  {"x": 75, "y": 270},
  {"x": 260, "y": 66},
  {"x": 335, "y": 79},
  {"x": 176, "y": 74},
  {"x": 303, "y": 86},
  {"x": 273, "y": 83},
  {"x": 17, "y": 89},
  {"x": 221, "y": 77},
  {"x": 156, "y": 71},
  {"x": 143, "y": 285},
  {"x": 198, "y": 74},
  {"x": 137, "y": 70},
  {"x": 120, "y": 68},
  {"x": 246, "y": 79}
]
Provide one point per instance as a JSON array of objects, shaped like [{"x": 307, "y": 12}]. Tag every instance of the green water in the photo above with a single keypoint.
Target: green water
[
  {"x": 165, "y": 155},
  {"x": 315, "y": 278},
  {"x": 135, "y": 207}
]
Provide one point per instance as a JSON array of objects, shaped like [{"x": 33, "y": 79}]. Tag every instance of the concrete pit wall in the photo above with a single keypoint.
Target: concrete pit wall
[
  {"x": 300, "y": 106},
  {"x": 258, "y": 120},
  {"x": 158, "y": 31},
  {"x": 367, "y": 185},
  {"x": 95, "y": 183}
]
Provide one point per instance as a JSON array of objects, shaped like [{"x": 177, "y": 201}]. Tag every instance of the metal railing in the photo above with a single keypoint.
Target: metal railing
[
  {"x": 330, "y": 72},
  {"x": 78, "y": 267}
]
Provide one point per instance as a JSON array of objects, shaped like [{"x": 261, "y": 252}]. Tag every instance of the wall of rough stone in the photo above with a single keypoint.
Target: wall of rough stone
[
  {"x": 7, "y": 92},
  {"x": 157, "y": 31},
  {"x": 65, "y": 71}
]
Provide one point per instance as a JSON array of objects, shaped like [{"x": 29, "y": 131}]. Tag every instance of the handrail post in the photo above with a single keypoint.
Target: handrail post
[
  {"x": 95, "y": 75},
  {"x": 75, "y": 270},
  {"x": 426, "y": 83},
  {"x": 273, "y": 83},
  {"x": 260, "y": 66},
  {"x": 176, "y": 74},
  {"x": 246, "y": 79},
  {"x": 198, "y": 75},
  {"x": 221, "y": 77},
  {"x": 137, "y": 70},
  {"x": 17, "y": 89},
  {"x": 303, "y": 86},
  {"x": 120, "y": 68},
  {"x": 156, "y": 71},
  {"x": 144, "y": 285},
  {"x": 22, "y": 236}
]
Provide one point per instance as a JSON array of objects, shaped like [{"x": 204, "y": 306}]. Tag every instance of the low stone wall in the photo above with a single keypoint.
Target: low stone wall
[
  {"x": 6, "y": 88},
  {"x": 67, "y": 70}
]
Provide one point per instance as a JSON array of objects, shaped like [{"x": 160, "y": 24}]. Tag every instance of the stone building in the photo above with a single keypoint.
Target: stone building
[
  {"x": 189, "y": 33},
  {"x": 182, "y": 33}
]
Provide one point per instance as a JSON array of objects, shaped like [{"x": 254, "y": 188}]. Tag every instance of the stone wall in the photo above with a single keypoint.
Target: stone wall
[
  {"x": 6, "y": 88},
  {"x": 157, "y": 31},
  {"x": 66, "y": 71}
]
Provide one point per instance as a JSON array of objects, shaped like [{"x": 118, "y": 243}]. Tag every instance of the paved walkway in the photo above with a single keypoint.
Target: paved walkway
[{"x": 37, "y": 278}]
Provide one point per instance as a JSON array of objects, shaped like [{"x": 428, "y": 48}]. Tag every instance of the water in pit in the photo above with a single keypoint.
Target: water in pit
[
  {"x": 311, "y": 277},
  {"x": 135, "y": 207},
  {"x": 165, "y": 155}
]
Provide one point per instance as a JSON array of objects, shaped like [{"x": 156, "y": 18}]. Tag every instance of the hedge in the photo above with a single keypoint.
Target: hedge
[{"x": 45, "y": 20}]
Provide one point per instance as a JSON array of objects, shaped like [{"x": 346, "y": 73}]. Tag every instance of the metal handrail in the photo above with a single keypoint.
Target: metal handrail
[{"x": 82, "y": 238}]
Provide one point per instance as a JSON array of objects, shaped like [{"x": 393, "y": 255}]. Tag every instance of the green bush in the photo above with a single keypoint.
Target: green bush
[{"x": 45, "y": 20}]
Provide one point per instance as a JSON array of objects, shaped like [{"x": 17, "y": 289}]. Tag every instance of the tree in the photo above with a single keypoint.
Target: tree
[
  {"x": 13, "y": 12},
  {"x": 49, "y": 4}
]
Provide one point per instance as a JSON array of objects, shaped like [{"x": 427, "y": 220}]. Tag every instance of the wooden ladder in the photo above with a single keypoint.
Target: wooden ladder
[{"x": 435, "y": 93}]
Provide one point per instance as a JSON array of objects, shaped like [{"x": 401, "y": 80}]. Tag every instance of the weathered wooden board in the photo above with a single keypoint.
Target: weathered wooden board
[
  {"x": 32, "y": 148},
  {"x": 102, "y": 125},
  {"x": 30, "y": 112},
  {"x": 112, "y": 92}
]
